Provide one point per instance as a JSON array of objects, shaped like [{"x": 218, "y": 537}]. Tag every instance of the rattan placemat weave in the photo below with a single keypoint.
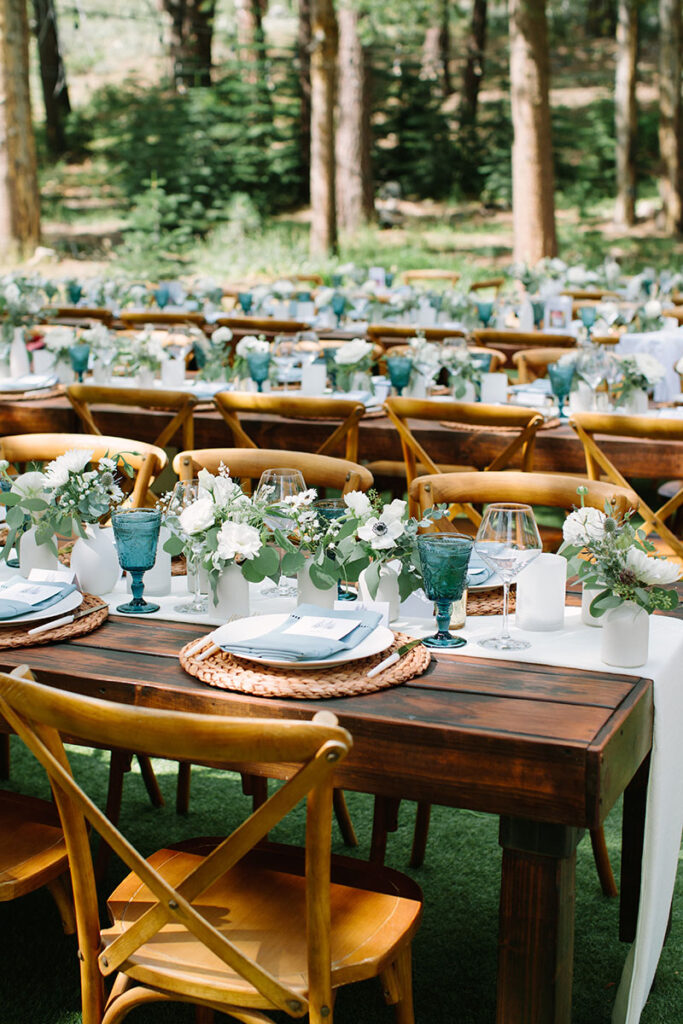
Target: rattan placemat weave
[
  {"x": 227, "y": 672},
  {"x": 17, "y": 636},
  {"x": 32, "y": 396},
  {"x": 488, "y": 602}
]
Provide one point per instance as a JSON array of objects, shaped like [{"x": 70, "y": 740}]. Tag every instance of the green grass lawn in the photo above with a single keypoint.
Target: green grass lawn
[{"x": 455, "y": 949}]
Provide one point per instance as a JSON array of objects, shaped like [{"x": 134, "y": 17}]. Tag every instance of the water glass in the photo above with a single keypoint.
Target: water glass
[
  {"x": 561, "y": 377},
  {"x": 136, "y": 532},
  {"x": 539, "y": 309},
  {"x": 588, "y": 315},
  {"x": 507, "y": 540},
  {"x": 245, "y": 300},
  {"x": 444, "y": 558},
  {"x": 399, "y": 369},
  {"x": 185, "y": 493},
  {"x": 79, "y": 355},
  {"x": 259, "y": 367},
  {"x": 485, "y": 312},
  {"x": 329, "y": 509}
]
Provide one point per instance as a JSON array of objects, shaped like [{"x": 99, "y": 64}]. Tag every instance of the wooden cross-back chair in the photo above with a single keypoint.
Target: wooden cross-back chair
[
  {"x": 464, "y": 490},
  {"x": 525, "y": 422},
  {"x": 498, "y": 359},
  {"x": 488, "y": 284},
  {"x": 146, "y": 460},
  {"x": 588, "y": 425},
  {"x": 68, "y": 313},
  {"x": 241, "y": 325},
  {"x": 229, "y": 925},
  {"x": 513, "y": 341},
  {"x": 247, "y": 464},
  {"x": 160, "y": 318},
  {"x": 532, "y": 363},
  {"x": 179, "y": 403},
  {"x": 388, "y": 335},
  {"x": 289, "y": 406},
  {"x": 430, "y": 274}
]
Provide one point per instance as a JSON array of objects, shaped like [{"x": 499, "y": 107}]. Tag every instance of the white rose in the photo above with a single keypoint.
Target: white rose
[
  {"x": 12, "y": 293},
  {"x": 395, "y": 511},
  {"x": 584, "y": 526},
  {"x": 381, "y": 533},
  {"x": 652, "y": 571},
  {"x": 238, "y": 540},
  {"x": 649, "y": 367},
  {"x": 352, "y": 352},
  {"x": 206, "y": 480},
  {"x": 283, "y": 287},
  {"x": 359, "y": 504},
  {"x": 576, "y": 276},
  {"x": 652, "y": 309},
  {"x": 221, "y": 336},
  {"x": 227, "y": 491},
  {"x": 250, "y": 343},
  {"x": 30, "y": 485},
  {"x": 197, "y": 517}
]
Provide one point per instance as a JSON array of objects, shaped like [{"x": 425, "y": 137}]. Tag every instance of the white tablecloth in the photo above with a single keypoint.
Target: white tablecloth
[{"x": 667, "y": 346}]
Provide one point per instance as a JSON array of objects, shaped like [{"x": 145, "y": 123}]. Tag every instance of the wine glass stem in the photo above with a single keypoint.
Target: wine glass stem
[
  {"x": 137, "y": 586},
  {"x": 506, "y": 590},
  {"x": 197, "y": 588}
]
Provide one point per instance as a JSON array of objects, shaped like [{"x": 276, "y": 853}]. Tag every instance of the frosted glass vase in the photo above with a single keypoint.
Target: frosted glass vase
[
  {"x": 308, "y": 593},
  {"x": 95, "y": 561},
  {"x": 231, "y": 599},
  {"x": 33, "y": 555},
  {"x": 626, "y": 636},
  {"x": 387, "y": 592}
]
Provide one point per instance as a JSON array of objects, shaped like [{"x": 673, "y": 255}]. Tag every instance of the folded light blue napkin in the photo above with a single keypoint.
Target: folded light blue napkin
[
  {"x": 294, "y": 647},
  {"x": 10, "y": 609},
  {"x": 477, "y": 570}
]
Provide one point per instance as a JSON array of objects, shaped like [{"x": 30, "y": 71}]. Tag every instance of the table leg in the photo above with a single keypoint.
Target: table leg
[
  {"x": 632, "y": 836},
  {"x": 536, "y": 927}
]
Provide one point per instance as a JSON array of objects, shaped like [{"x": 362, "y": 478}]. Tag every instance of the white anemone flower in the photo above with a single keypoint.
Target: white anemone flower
[
  {"x": 652, "y": 571},
  {"x": 381, "y": 532}
]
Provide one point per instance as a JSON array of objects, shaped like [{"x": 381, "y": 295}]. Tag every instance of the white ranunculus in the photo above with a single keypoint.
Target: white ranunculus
[
  {"x": 227, "y": 491},
  {"x": 576, "y": 276},
  {"x": 652, "y": 309},
  {"x": 30, "y": 485},
  {"x": 650, "y": 367},
  {"x": 12, "y": 293},
  {"x": 395, "y": 511},
  {"x": 352, "y": 352},
  {"x": 206, "y": 480},
  {"x": 381, "y": 532},
  {"x": 238, "y": 540},
  {"x": 250, "y": 343},
  {"x": 359, "y": 504},
  {"x": 198, "y": 516},
  {"x": 58, "y": 471},
  {"x": 59, "y": 339},
  {"x": 221, "y": 336},
  {"x": 583, "y": 526},
  {"x": 651, "y": 571}
]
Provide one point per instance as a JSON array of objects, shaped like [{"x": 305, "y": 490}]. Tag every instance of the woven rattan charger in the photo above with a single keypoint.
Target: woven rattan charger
[{"x": 18, "y": 636}]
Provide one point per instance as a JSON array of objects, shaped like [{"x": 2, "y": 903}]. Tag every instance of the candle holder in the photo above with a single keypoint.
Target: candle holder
[{"x": 136, "y": 532}]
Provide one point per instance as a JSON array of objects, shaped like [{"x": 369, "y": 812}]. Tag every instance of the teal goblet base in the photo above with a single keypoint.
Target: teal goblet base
[
  {"x": 138, "y": 606},
  {"x": 443, "y": 636}
]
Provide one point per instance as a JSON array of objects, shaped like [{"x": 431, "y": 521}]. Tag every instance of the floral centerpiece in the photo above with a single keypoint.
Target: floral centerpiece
[
  {"x": 56, "y": 341},
  {"x": 354, "y": 357},
  {"x": 650, "y": 315},
  {"x": 21, "y": 300},
  {"x": 638, "y": 371},
  {"x": 146, "y": 352},
  {"x": 462, "y": 369},
  {"x": 427, "y": 360},
  {"x": 212, "y": 354},
  {"x": 246, "y": 345}
]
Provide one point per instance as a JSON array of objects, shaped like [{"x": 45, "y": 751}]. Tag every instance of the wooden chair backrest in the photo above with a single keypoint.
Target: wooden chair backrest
[
  {"x": 589, "y": 424},
  {"x": 533, "y": 362},
  {"x": 517, "y": 340},
  {"x": 430, "y": 274},
  {"x": 147, "y": 460},
  {"x": 396, "y": 334},
  {"x": 231, "y": 403},
  {"x": 247, "y": 464},
  {"x": 100, "y": 313},
  {"x": 495, "y": 283},
  {"x": 498, "y": 359},
  {"x": 588, "y": 295},
  {"x": 83, "y": 396},
  {"x": 262, "y": 325},
  {"x": 40, "y": 715},
  {"x": 316, "y": 279},
  {"x": 525, "y": 421},
  {"x": 462, "y": 491},
  {"x": 160, "y": 317}
]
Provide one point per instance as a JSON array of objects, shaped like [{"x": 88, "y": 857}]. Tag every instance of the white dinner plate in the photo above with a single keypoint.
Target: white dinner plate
[
  {"x": 63, "y": 607},
  {"x": 28, "y": 382},
  {"x": 257, "y": 625}
]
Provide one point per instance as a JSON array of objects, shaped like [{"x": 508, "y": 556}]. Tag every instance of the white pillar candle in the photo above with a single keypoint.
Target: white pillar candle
[
  {"x": 313, "y": 378},
  {"x": 541, "y": 594},
  {"x": 172, "y": 372},
  {"x": 494, "y": 387}
]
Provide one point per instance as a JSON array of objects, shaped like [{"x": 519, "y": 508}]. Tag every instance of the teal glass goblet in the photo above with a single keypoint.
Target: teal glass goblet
[
  {"x": 74, "y": 293},
  {"x": 485, "y": 312},
  {"x": 79, "y": 356},
  {"x": 588, "y": 316},
  {"x": 329, "y": 509},
  {"x": 539, "y": 310},
  {"x": 338, "y": 306},
  {"x": 399, "y": 369},
  {"x": 444, "y": 558},
  {"x": 245, "y": 300},
  {"x": 136, "y": 532},
  {"x": 259, "y": 367},
  {"x": 482, "y": 360},
  {"x": 162, "y": 296},
  {"x": 561, "y": 376}
]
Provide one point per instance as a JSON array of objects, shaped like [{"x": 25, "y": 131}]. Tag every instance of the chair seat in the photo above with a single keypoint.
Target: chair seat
[
  {"x": 32, "y": 850},
  {"x": 256, "y": 904}
]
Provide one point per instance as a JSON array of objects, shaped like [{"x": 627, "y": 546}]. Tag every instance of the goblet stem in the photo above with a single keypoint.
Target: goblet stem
[
  {"x": 259, "y": 385},
  {"x": 137, "y": 587},
  {"x": 443, "y": 620},
  {"x": 505, "y": 635}
]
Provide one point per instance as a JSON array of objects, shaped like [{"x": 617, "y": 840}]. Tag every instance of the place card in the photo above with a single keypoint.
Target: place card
[
  {"x": 382, "y": 607},
  {"x": 62, "y": 575},
  {"x": 322, "y": 627}
]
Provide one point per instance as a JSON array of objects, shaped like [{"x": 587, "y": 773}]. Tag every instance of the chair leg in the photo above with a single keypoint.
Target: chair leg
[
  {"x": 405, "y": 1013},
  {"x": 420, "y": 834},
  {"x": 118, "y": 766},
  {"x": 204, "y": 1015},
  {"x": 385, "y": 820},
  {"x": 255, "y": 786},
  {"x": 150, "y": 780},
  {"x": 61, "y": 893},
  {"x": 344, "y": 818},
  {"x": 4, "y": 755},
  {"x": 182, "y": 796},
  {"x": 602, "y": 863}
]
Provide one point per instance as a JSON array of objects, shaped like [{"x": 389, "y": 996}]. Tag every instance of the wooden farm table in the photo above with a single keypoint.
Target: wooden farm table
[
  {"x": 548, "y": 750},
  {"x": 557, "y": 448}
]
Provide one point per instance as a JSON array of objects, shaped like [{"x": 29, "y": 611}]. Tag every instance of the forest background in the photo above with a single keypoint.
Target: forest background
[{"x": 178, "y": 136}]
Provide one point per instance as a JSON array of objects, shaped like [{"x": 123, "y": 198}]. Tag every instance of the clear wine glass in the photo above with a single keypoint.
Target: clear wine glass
[
  {"x": 185, "y": 493},
  {"x": 273, "y": 487},
  {"x": 507, "y": 540}
]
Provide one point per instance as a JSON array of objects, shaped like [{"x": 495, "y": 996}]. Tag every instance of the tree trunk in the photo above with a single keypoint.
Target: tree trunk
[
  {"x": 323, "y": 66},
  {"x": 52, "y": 75},
  {"x": 190, "y": 40},
  {"x": 626, "y": 111},
  {"x": 304, "y": 53},
  {"x": 353, "y": 171},
  {"x": 436, "y": 50},
  {"x": 602, "y": 17},
  {"x": 670, "y": 112},
  {"x": 19, "y": 196},
  {"x": 474, "y": 68},
  {"x": 533, "y": 201},
  {"x": 250, "y": 35}
]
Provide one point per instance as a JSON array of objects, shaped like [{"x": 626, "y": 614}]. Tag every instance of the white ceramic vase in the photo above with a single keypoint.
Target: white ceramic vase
[
  {"x": 95, "y": 561},
  {"x": 19, "y": 362},
  {"x": 468, "y": 395},
  {"x": 418, "y": 386},
  {"x": 43, "y": 360},
  {"x": 33, "y": 555},
  {"x": 636, "y": 404},
  {"x": 145, "y": 378},
  {"x": 157, "y": 580},
  {"x": 626, "y": 636},
  {"x": 387, "y": 592},
  {"x": 308, "y": 593},
  {"x": 589, "y": 620},
  {"x": 232, "y": 595}
]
